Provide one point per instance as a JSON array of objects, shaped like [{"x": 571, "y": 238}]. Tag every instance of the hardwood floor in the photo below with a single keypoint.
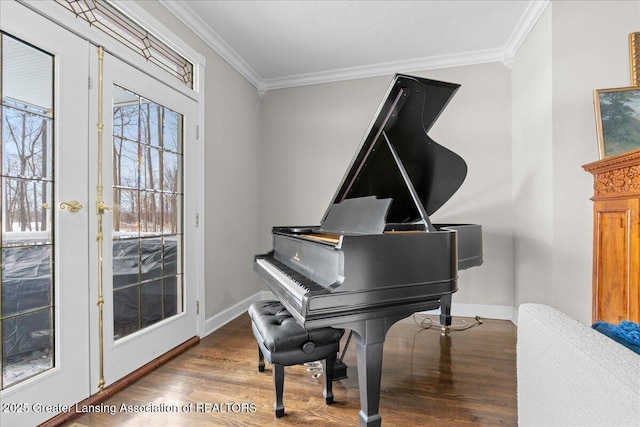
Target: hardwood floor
[{"x": 467, "y": 378}]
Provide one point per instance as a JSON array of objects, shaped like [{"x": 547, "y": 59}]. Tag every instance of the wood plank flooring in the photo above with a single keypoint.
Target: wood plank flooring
[{"x": 467, "y": 378}]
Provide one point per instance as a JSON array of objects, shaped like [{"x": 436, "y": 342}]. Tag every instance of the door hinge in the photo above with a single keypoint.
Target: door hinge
[
  {"x": 197, "y": 131},
  {"x": 197, "y": 220},
  {"x": 197, "y": 307},
  {"x": 90, "y": 83}
]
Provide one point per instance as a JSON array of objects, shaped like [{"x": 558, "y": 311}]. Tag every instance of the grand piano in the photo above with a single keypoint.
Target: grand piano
[{"x": 376, "y": 257}]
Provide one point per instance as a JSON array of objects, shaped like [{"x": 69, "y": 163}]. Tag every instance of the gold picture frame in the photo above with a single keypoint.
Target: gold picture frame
[
  {"x": 617, "y": 120},
  {"x": 634, "y": 57}
]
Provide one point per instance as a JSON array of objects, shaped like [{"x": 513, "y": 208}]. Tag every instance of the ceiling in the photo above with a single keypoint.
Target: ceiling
[{"x": 277, "y": 44}]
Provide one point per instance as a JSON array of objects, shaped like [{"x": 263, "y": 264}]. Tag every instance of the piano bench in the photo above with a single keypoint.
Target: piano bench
[{"x": 284, "y": 342}]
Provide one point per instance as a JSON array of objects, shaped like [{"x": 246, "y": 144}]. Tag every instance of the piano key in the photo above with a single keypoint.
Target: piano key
[
  {"x": 280, "y": 269},
  {"x": 296, "y": 290}
]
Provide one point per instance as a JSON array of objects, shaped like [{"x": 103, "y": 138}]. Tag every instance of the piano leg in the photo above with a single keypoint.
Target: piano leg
[
  {"x": 445, "y": 312},
  {"x": 369, "y": 358},
  {"x": 369, "y": 335}
]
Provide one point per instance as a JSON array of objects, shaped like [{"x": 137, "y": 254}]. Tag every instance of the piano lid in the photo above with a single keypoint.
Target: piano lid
[{"x": 398, "y": 160}]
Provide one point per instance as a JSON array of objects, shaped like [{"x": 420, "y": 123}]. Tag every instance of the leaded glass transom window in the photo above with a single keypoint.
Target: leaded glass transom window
[{"x": 105, "y": 17}]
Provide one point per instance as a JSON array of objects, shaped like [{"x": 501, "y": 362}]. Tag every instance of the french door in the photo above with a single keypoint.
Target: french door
[
  {"x": 44, "y": 310},
  {"x": 93, "y": 285},
  {"x": 149, "y": 296}
]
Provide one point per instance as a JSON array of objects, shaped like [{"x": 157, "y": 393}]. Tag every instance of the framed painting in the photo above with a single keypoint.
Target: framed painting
[
  {"x": 634, "y": 58},
  {"x": 617, "y": 120}
]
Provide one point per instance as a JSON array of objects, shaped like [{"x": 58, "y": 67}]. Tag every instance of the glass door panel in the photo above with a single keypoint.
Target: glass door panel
[
  {"x": 26, "y": 287},
  {"x": 147, "y": 236}
]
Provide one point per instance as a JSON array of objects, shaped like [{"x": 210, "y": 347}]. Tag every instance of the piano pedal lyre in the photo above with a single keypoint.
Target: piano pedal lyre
[
  {"x": 339, "y": 367},
  {"x": 316, "y": 368}
]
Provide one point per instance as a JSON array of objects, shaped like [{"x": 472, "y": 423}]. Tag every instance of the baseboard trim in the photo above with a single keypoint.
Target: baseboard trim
[
  {"x": 217, "y": 321},
  {"x": 119, "y": 385},
  {"x": 498, "y": 312}
]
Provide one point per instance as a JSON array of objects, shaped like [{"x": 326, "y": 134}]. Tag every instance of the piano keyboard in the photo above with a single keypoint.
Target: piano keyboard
[{"x": 295, "y": 282}]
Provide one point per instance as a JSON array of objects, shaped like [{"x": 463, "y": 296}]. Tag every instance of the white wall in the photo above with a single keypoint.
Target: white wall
[
  {"x": 311, "y": 133},
  {"x": 576, "y": 47},
  {"x": 532, "y": 149},
  {"x": 590, "y": 51},
  {"x": 232, "y": 174}
]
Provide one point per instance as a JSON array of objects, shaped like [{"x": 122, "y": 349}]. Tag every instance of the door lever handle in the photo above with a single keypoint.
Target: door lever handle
[
  {"x": 101, "y": 207},
  {"x": 71, "y": 206}
]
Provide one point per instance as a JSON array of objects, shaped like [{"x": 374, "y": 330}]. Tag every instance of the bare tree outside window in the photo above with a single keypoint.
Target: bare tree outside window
[
  {"x": 26, "y": 141},
  {"x": 27, "y": 312},
  {"x": 147, "y": 228}
]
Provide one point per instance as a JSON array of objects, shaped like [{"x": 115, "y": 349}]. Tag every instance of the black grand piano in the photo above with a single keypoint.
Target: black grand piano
[{"x": 376, "y": 257}]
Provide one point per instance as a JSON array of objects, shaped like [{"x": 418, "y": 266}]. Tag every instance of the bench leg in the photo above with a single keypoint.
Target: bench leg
[
  {"x": 278, "y": 382},
  {"x": 260, "y": 360},
  {"x": 327, "y": 367}
]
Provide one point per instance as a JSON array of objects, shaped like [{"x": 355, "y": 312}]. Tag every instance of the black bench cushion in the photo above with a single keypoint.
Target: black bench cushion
[{"x": 280, "y": 331}]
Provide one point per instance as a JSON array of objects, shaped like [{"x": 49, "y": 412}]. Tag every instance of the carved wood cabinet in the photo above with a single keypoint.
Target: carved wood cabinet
[{"x": 616, "y": 237}]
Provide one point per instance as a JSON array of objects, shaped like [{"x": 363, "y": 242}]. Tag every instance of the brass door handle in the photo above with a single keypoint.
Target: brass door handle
[
  {"x": 71, "y": 206},
  {"x": 101, "y": 207}
]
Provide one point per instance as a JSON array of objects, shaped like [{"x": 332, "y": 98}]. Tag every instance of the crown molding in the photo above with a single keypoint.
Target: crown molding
[
  {"x": 407, "y": 66},
  {"x": 185, "y": 14},
  {"x": 534, "y": 11},
  {"x": 505, "y": 55}
]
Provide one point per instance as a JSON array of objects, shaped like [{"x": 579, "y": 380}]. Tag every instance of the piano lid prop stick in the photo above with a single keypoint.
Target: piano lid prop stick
[
  {"x": 412, "y": 189},
  {"x": 402, "y": 93}
]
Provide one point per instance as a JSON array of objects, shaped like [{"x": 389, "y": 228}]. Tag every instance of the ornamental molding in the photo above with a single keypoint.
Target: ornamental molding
[
  {"x": 615, "y": 162},
  {"x": 623, "y": 180}
]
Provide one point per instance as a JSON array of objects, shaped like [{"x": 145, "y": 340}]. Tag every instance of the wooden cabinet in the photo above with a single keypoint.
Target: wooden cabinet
[{"x": 616, "y": 237}]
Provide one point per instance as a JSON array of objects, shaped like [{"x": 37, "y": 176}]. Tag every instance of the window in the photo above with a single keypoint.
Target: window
[
  {"x": 147, "y": 225},
  {"x": 26, "y": 287},
  {"x": 105, "y": 17}
]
